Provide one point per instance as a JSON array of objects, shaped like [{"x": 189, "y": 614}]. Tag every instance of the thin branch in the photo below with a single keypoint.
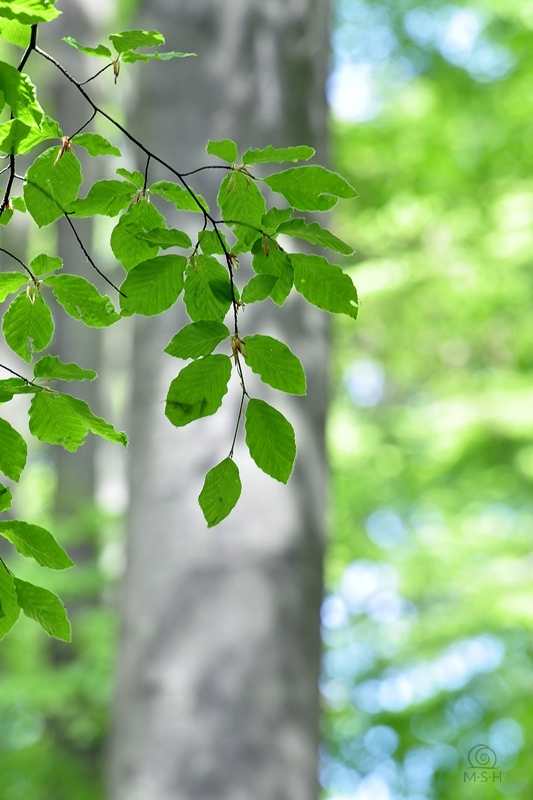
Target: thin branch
[
  {"x": 88, "y": 257},
  {"x": 200, "y": 169},
  {"x": 28, "y": 270},
  {"x": 82, "y": 83},
  {"x": 22, "y": 378},
  {"x": 31, "y": 46},
  {"x": 93, "y": 115},
  {"x": 237, "y": 425},
  {"x": 145, "y": 184}
]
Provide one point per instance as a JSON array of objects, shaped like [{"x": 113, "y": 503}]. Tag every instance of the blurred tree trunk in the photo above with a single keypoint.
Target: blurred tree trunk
[{"x": 217, "y": 677}]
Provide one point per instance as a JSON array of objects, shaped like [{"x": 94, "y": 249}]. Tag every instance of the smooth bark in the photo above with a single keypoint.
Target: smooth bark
[{"x": 217, "y": 679}]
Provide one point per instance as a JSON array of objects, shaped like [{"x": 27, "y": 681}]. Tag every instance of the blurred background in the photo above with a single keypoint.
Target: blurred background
[{"x": 428, "y": 612}]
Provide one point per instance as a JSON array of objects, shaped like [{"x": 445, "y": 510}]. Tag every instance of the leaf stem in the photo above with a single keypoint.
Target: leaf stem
[
  {"x": 28, "y": 270},
  {"x": 88, "y": 257}
]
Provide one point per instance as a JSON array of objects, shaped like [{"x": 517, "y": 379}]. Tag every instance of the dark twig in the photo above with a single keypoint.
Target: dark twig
[
  {"x": 97, "y": 74},
  {"x": 201, "y": 169},
  {"x": 238, "y": 423},
  {"x": 22, "y": 264},
  {"x": 93, "y": 115},
  {"x": 22, "y": 378},
  {"x": 88, "y": 257},
  {"x": 145, "y": 184}
]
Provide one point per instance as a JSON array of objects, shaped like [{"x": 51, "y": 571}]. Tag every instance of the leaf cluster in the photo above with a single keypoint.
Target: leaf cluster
[{"x": 204, "y": 273}]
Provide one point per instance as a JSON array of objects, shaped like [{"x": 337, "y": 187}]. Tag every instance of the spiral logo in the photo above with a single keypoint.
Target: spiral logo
[{"x": 481, "y": 756}]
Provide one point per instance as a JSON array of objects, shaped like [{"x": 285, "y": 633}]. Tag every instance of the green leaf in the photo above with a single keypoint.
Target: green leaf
[
  {"x": 13, "y": 451},
  {"x": 153, "y": 286},
  {"x": 198, "y": 390},
  {"x": 95, "y": 424},
  {"x": 29, "y": 12},
  {"x": 81, "y": 300},
  {"x": 49, "y": 187},
  {"x": 95, "y": 144},
  {"x": 273, "y": 218},
  {"x": 310, "y": 188},
  {"x": 259, "y": 288},
  {"x": 6, "y": 216},
  {"x": 18, "y": 138},
  {"x": 241, "y": 202},
  {"x": 65, "y": 420},
  {"x": 15, "y": 33},
  {"x": 129, "y": 57},
  {"x": 315, "y": 234},
  {"x": 274, "y": 363},
  {"x": 271, "y": 155},
  {"x": 10, "y": 282},
  {"x": 108, "y": 198},
  {"x": 197, "y": 339},
  {"x": 131, "y": 40},
  {"x": 13, "y": 386},
  {"x": 226, "y": 149},
  {"x": 207, "y": 289},
  {"x": 165, "y": 238},
  {"x": 18, "y": 204},
  {"x": 51, "y": 367},
  {"x": 27, "y": 325},
  {"x": 181, "y": 198},
  {"x": 324, "y": 285},
  {"x": 5, "y": 497},
  {"x": 19, "y": 94},
  {"x": 134, "y": 177},
  {"x": 42, "y": 264},
  {"x": 210, "y": 243},
  {"x": 45, "y": 608},
  {"x": 127, "y": 247},
  {"x": 35, "y": 542},
  {"x": 270, "y": 440},
  {"x": 8, "y": 602},
  {"x": 102, "y": 51},
  {"x": 221, "y": 491},
  {"x": 269, "y": 259}
]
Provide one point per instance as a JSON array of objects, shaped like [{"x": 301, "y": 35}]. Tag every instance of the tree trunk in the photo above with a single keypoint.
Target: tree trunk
[{"x": 218, "y": 671}]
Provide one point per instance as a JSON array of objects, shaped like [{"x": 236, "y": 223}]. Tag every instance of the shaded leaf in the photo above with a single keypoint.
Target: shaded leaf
[
  {"x": 221, "y": 491},
  {"x": 269, "y": 259},
  {"x": 274, "y": 363},
  {"x": 8, "y": 597},
  {"x": 259, "y": 288},
  {"x": 50, "y": 188},
  {"x": 134, "y": 177},
  {"x": 207, "y": 289},
  {"x": 18, "y": 138},
  {"x": 45, "y": 608},
  {"x": 101, "y": 50},
  {"x": 42, "y": 264},
  {"x": 18, "y": 92},
  {"x": 105, "y": 197},
  {"x": 65, "y": 420},
  {"x": 310, "y": 188},
  {"x": 127, "y": 247},
  {"x": 226, "y": 149},
  {"x": 274, "y": 217},
  {"x": 241, "y": 202},
  {"x": 315, "y": 234},
  {"x": 324, "y": 285},
  {"x": 13, "y": 451},
  {"x": 28, "y": 325},
  {"x": 270, "y": 439},
  {"x": 51, "y": 367},
  {"x": 95, "y": 144},
  {"x": 130, "y": 57},
  {"x": 131, "y": 40},
  {"x": 198, "y": 390},
  {"x": 271, "y": 155},
  {"x": 35, "y": 542},
  {"x": 81, "y": 300},
  {"x": 197, "y": 339},
  {"x": 11, "y": 282},
  {"x": 153, "y": 286},
  {"x": 210, "y": 243},
  {"x": 179, "y": 197},
  {"x": 165, "y": 238},
  {"x": 13, "y": 386},
  {"x": 5, "y": 497}
]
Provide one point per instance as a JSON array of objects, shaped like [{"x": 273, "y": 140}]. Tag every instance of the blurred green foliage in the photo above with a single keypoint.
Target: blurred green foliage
[
  {"x": 428, "y": 624},
  {"x": 54, "y": 696}
]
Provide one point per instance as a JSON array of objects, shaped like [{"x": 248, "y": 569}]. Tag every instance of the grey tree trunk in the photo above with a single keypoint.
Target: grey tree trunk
[{"x": 218, "y": 670}]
